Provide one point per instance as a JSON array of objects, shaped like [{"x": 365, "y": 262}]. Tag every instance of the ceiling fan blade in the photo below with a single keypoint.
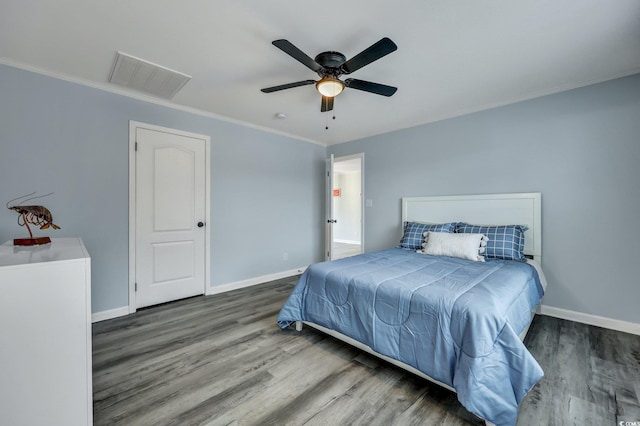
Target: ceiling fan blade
[
  {"x": 367, "y": 86},
  {"x": 287, "y": 86},
  {"x": 370, "y": 54},
  {"x": 327, "y": 104},
  {"x": 297, "y": 54}
]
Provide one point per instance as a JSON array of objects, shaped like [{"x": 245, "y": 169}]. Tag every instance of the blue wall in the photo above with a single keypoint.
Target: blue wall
[
  {"x": 55, "y": 136},
  {"x": 580, "y": 149}
]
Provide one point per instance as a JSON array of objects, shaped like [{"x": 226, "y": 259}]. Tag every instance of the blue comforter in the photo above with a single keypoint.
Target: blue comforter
[{"x": 455, "y": 320}]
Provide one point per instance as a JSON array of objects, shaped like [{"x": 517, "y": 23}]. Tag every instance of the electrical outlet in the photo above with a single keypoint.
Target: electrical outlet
[{"x": 285, "y": 256}]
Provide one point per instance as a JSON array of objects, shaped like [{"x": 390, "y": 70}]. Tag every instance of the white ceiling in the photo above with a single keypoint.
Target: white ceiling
[{"x": 453, "y": 57}]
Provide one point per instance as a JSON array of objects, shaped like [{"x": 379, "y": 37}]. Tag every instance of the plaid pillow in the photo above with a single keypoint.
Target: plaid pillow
[
  {"x": 505, "y": 241},
  {"x": 413, "y": 235}
]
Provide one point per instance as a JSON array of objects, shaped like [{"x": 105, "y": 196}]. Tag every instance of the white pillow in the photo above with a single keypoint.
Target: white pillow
[{"x": 464, "y": 246}]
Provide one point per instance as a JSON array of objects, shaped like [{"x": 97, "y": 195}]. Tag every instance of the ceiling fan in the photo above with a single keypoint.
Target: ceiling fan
[{"x": 331, "y": 65}]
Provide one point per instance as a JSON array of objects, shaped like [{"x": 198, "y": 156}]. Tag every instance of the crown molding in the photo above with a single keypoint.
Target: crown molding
[{"x": 145, "y": 98}]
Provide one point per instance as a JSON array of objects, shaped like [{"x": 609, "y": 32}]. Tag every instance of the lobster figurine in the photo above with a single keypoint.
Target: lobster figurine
[{"x": 34, "y": 215}]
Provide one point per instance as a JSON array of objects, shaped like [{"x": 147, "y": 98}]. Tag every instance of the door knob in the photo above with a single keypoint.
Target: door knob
[
  {"x": 200, "y": 224},
  {"x": 332, "y": 221}
]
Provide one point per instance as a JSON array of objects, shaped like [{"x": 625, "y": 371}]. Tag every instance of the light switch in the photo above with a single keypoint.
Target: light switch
[{"x": 368, "y": 203}]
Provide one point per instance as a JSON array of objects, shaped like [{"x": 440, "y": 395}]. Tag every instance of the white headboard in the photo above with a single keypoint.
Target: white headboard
[{"x": 490, "y": 209}]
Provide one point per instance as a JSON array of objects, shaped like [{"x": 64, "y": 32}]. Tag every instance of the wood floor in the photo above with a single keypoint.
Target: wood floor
[
  {"x": 221, "y": 360},
  {"x": 342, "y": 250}
]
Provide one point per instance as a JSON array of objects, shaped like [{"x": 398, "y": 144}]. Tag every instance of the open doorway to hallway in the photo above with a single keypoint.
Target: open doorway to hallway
[{"x": 347, "y": 206}]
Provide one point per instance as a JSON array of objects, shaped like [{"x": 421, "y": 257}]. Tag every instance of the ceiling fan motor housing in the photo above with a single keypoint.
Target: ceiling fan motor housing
[{"x": 331, "y": 62}]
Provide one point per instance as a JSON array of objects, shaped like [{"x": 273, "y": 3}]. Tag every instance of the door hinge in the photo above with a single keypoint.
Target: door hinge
[
  {"x": 135, "y": 287},
  {"x": 328, "y": 254},
  {"x": 135, "y": 148}
]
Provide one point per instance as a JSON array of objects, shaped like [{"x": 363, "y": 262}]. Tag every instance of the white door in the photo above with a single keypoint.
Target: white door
[
  {"x": 329, "y": 210},
  {"x": 170, "y": 215}
]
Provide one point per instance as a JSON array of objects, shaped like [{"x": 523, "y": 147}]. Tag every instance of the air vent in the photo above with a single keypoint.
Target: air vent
[{"x": 147, "y": 77}]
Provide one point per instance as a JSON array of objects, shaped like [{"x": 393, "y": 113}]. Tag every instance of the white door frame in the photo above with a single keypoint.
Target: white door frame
[
  {"x": 133, "y": 125},
  {"x": 328, "y": 232}
]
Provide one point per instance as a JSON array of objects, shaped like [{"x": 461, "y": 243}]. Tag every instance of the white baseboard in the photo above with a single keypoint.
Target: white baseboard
[
  {"x": 120, "y": 312},
  {"x": 610, "y": 323},
  {"x": 598, "y": 321},
  {"x": 111, "y": 313},
  {"x": 253, "y": 281}
]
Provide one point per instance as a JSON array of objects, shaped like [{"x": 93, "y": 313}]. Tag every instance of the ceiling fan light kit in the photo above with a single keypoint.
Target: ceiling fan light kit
[
  {"x": 330, "y": 86},
  {"x": 331, "y": 65}
]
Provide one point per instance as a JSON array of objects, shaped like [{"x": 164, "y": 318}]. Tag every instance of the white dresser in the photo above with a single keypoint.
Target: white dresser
[{"x": 45, "y": 334}]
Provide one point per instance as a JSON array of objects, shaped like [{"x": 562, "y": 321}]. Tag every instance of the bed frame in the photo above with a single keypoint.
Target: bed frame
[{"x": 491, "y": 209}]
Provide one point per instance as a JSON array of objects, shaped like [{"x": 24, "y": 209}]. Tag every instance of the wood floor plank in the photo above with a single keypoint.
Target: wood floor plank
[{"x": 222, "y": 360}]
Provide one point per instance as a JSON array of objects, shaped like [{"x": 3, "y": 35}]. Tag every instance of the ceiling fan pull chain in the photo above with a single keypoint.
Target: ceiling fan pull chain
[{"x": 326, "y": 119}]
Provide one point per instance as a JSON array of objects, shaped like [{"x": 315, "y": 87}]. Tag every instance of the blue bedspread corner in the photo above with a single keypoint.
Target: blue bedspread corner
[{"x": 292, "y": 309}]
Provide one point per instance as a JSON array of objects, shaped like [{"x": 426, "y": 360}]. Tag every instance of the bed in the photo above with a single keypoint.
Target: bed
[{"x": 454, "y": 320}]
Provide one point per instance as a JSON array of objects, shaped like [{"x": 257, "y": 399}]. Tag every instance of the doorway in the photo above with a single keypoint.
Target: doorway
[
  {"x": 168, "y": 215},
  {"x": 347, "y": 206}
]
